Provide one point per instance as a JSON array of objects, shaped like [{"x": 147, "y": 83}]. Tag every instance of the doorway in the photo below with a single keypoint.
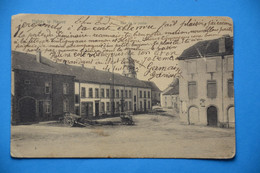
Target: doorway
[
  {"x": 193, "y": 115},
  {"x": 27, "y": 109},
  {"x": 86, "y": 109},
  {"x": 96, "y": 108},
  {"x": 212, "y": 116}
]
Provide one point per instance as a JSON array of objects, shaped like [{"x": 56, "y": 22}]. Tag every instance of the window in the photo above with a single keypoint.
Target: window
[
  {"x": 113, "y": 106},
  {"x": 117, "y": 105},
  {"x": 149, "y": 106},
  {"x": 66, "y": 105},
  {"x": 130, "y": 94},
  {"x": 192, "y": 90},
  {"x": 76, "y": 98},
  {"x": 117, "y": 93},
  {"x": 65, "y": 88},
  {"x": 83, "y": 92},
  {"x": 130, "y": 105},
  {"x": 141, "y": 106},
  {"x": 47, "y": 87},
  {"x": 102, "y": 92},
  {"x": 230, "y": 64},
  {"x": 144, "y": 94},
  {"x": 27, "y": 82},
  {"x": 211, "y": 65},
  {"x": 108, "y": 106},
  {"x": 47, "y": 106},
  {"x": 134, "y": 98},
  {"x": 96, "y": 92},
  {"x": 211, "y": 89},
  {"x": 122, "y": 93},
  {"x": 230, "y": 88},
  {"x": 126, "y": 94},
  {"x": 90, "y": 93},
  {"x": 113, "y": 93},
  {"x": 192, "y": 67},
  {"x": 126, "y": 106},
  {"x": 102, "y": 107},
  {"x": 107, "y": 93},
  {"x": 77, "y": 110},
  {"x": 140, "y": 94},
  {"x": 148, "y": 94}
]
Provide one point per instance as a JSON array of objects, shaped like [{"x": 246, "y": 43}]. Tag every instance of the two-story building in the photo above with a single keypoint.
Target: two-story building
[
  {"x": 44, "y": 90},
  {"x": 207, "y": 88},
  {"x": 170, "y": 96},
  {"x": 104, "y": 93},
  {"x": 39, "y": 92},
  {"x": 156, "y": 93}
]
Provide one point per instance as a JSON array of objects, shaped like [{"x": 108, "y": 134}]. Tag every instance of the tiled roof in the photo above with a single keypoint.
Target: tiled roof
[
  {"x": 24, "y": 61},
  {"x": 153, "y": 86},
  {"x": 207, "y": 48},
  {"x": 28, "y": 62},
  {"x": 172, "y": 89}
]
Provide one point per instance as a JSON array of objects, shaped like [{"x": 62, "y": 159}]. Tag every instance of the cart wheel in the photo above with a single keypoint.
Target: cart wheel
[{"x": 72, "y": 123}]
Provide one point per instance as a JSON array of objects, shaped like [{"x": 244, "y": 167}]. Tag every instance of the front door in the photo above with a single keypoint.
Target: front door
[
  {"x": 212, "y": 116},
  {"x": 193, "y": 115},
  {"x": 145, "y": 105},
  {"x": 86, "y": 109},
  {"x": 96, "y": 108},
  {"x": 27, "y": 109}
]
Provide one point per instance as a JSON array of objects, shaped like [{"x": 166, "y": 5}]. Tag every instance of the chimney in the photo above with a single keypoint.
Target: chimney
[
  {"x": 222, "y": 44},
  {"x": 38, "y": 56}
]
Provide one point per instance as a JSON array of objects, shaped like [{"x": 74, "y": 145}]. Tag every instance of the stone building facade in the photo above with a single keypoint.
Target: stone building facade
[
  {"x": 39, "y": 92},
  {"x": 207, "y": 87},
  {"x": 44, "y": 90},
  {"x": 170, "y": 96}
]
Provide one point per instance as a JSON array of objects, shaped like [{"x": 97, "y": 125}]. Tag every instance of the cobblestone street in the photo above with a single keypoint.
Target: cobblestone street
[{"x": 151, "y": 136}]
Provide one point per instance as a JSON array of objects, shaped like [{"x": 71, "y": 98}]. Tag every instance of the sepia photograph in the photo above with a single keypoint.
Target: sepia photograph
[{"x": 122, "y": 87}]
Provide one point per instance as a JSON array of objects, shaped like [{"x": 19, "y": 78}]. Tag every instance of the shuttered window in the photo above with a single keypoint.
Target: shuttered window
[
  {"x": 96, "y": 92},
  {"x": 102, "y": 92},
  {"x": 107, "y": 93},
  {"x": 108, "y": 107},
  {"x": 83, "y": 92},
  {"x": 230, "y": 88},
  {"x": 192, "y": 90},
  {"x": 90, "y": 93},
  {"x": 192, "y": 67},
  {"x": 212, "y": 89},
  {"x": 102, "y": 107}
]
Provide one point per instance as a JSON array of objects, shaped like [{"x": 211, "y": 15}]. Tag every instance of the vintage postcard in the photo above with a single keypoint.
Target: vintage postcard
[{"x": 122, "y": 87}]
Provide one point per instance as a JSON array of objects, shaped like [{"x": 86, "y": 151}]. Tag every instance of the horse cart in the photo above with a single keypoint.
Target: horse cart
[{"x": 76, "y": 120}]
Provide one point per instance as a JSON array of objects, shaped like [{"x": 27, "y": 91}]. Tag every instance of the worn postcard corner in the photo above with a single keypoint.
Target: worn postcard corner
[{"x": 122, "y": 87}]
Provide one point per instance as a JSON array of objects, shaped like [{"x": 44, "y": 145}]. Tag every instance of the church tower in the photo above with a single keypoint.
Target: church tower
[{"x": 129, "y": 66}]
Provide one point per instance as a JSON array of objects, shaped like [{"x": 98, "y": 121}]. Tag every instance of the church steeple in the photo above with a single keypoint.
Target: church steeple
[{"x": 129, "y": 66}]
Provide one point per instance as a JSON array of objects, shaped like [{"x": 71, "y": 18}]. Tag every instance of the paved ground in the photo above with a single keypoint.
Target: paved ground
[{"x": 151, "y": 136}]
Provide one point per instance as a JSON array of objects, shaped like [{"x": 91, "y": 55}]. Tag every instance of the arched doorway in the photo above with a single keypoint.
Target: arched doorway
[
  {"x": 193, "y": 115},
  {"x": 212, "y": 116},
  {"x": 27, "y": 109},
  {"x": 231, "y": 117}
]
